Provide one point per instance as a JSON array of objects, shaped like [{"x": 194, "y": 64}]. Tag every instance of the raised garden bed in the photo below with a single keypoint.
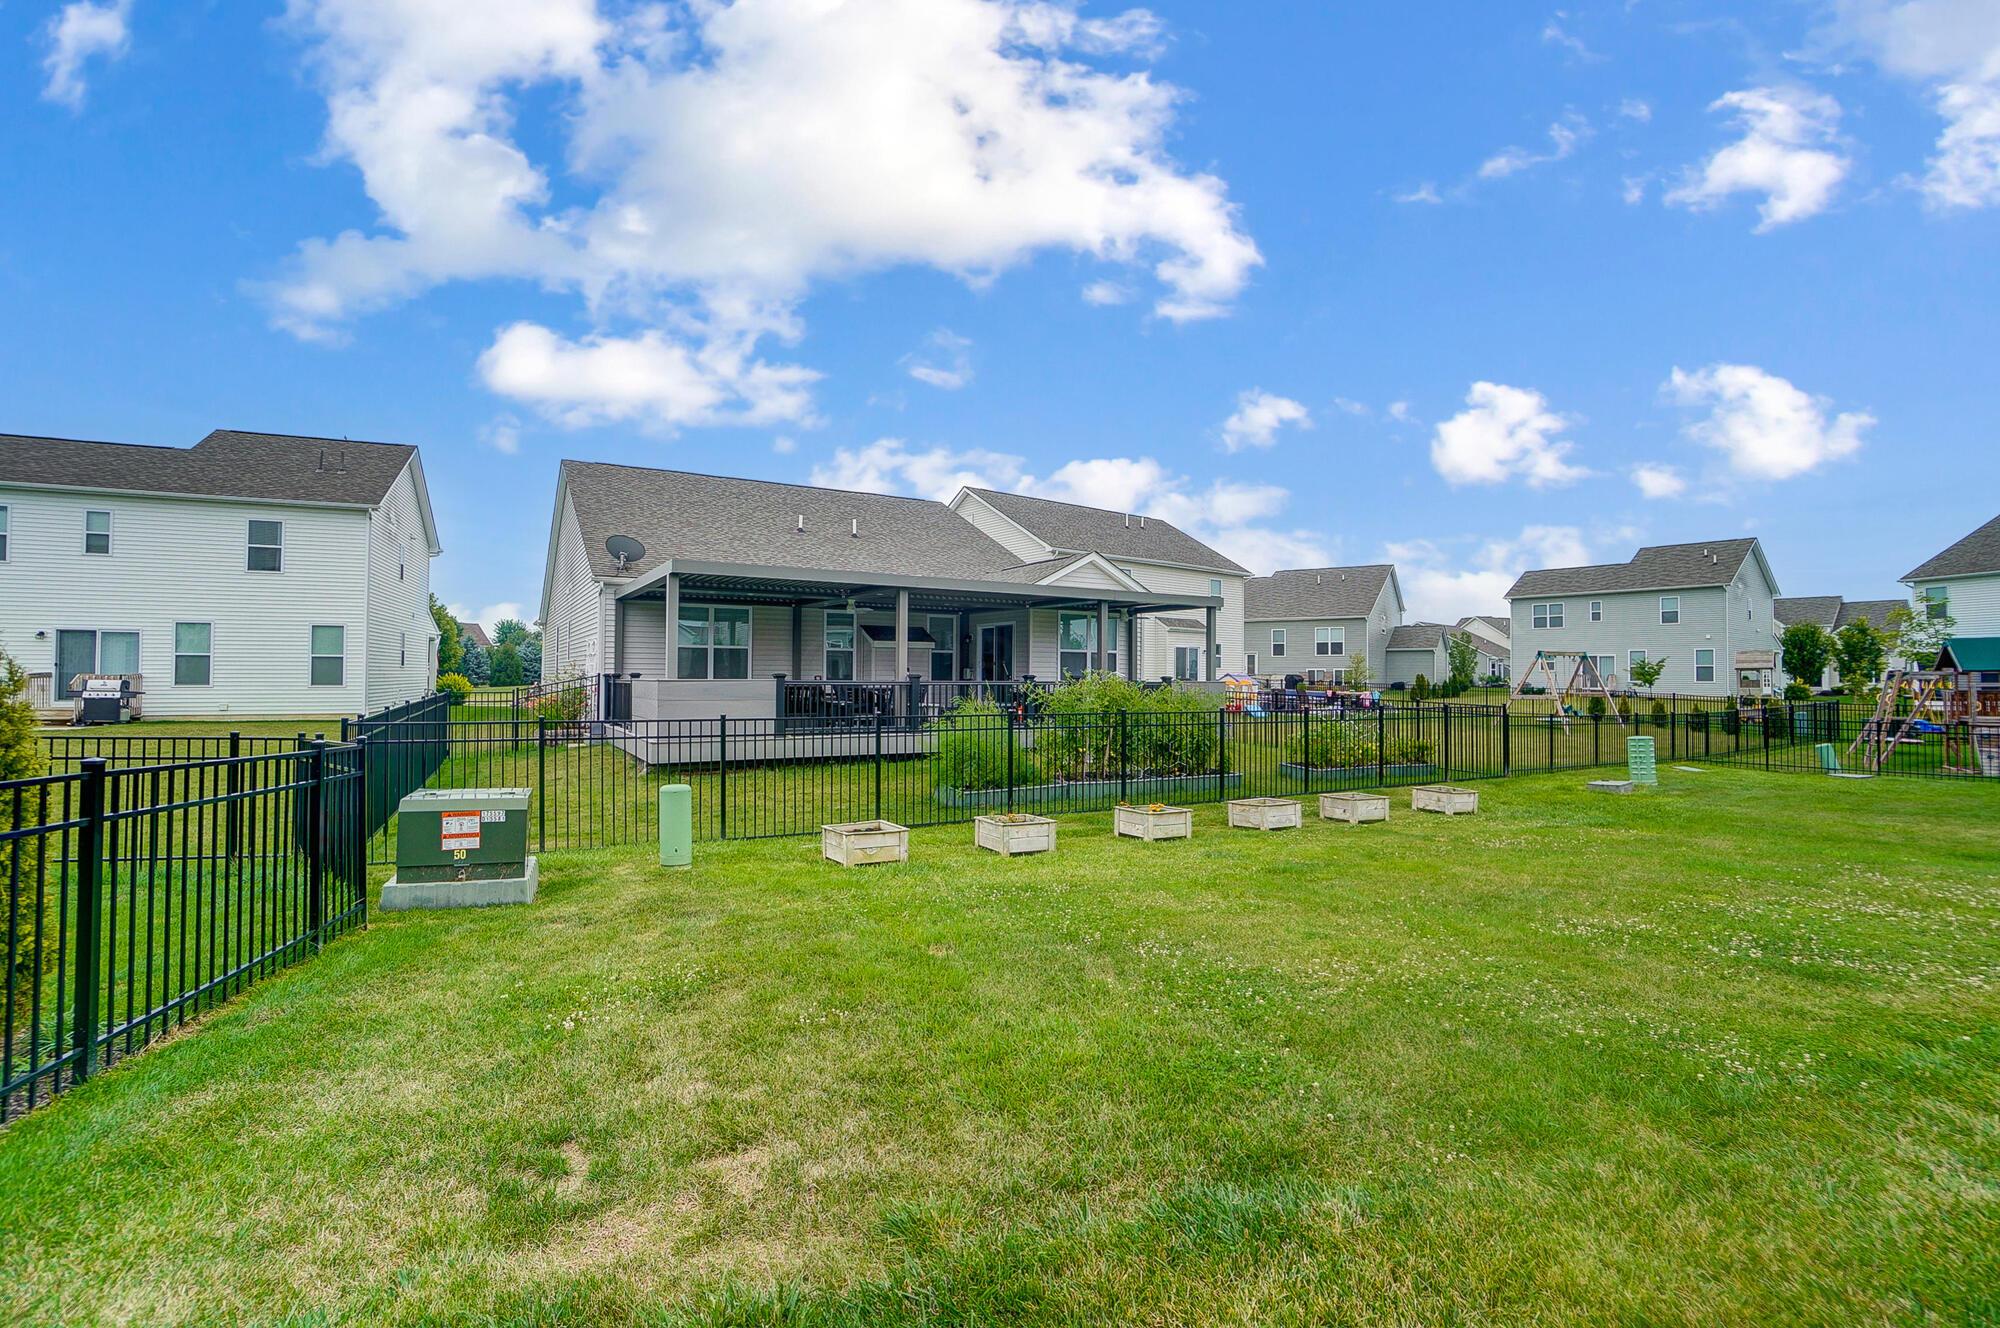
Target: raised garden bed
[
  {"x": 1264, "y": 814},
  {"x": 864, "y": 843},
  {"x": 1313, "y": 774},
  {"x": 1088, "y": 790},
  {"x": 1010, "y": 836},
  {"x": 1354, "y": 808},
  {"x": 1153, "y": 822},
  {"x": 1444, "y": 798}
]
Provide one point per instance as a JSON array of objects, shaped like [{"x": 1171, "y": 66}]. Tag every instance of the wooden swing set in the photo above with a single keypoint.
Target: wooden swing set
[
  {"x": 1939, "y": 703},
  {"x": 1584, "y": 682}
]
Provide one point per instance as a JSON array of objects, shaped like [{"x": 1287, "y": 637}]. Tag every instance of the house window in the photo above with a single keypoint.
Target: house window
[
  {"x": 1937, "y": 601},
  {"x": 1187, "y": 663},
  {"x": 329, "y": 656},
  {"x": 1329, "y": 640},
  {"x": 97, "y": 533},
  {"x": 193, "y": 659},
  {"x": 944, "y": 652},
  {"x": 1076, "y": 645},
  {"x": 1606, "y": 666},
  {"x": 1670, "y": 609},
  {"x": 1250, "y": 664},
  {"x": 1215, "y": 586},
  {"x": 88, "y": 651},
  {"x": 267, "y": 546},
  {"x": 3, "y": 534},
  {"x": 1277, "y": 643},
  {"x": 1704, "y": 666},
  {"x": 1548, "y": 615},
  {"x": 715, "y": 642},
  {"x": 1634, "y": 657},
  {"x": 839, "y": 644},
  {"x": 1596, "y": 611}
]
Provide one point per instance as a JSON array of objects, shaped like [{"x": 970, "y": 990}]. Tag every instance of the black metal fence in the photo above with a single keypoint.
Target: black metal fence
[{"x": 138, "y": 896}]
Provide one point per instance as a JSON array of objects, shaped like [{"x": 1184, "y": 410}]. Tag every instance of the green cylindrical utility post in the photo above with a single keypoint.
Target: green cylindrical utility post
[{"x": 676, "y": 825}]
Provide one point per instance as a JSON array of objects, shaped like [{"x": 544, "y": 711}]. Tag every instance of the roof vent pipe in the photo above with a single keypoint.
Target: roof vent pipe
[
  {"x": 1142, "y": 523},
  {"x": 1128, "y": 520},
  {"x": 802, "y": 523},
  {"x": 854, "y": 527}
]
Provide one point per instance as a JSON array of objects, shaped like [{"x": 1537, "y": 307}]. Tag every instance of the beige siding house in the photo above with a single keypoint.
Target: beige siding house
[
  {"x": 707, "y": 594},
  {"x": 251, "y": 574}
]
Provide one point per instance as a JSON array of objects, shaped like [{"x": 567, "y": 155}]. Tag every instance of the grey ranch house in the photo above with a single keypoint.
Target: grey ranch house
[
  {"x": 691, "y": 596},
  {"x": 1707, "y": 609}
]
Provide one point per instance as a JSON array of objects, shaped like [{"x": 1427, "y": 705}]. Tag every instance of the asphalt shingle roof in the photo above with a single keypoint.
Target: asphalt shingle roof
[
  {"x": 1072, "y": 526},
  {"x": 1821, "y": 609},
  {"x": 228, "y": 463},
  {"x": 1416, "y": 636},
  {"x": 1875, "y": 612},
  {"x": 1658, "y": 567},
  {"x": 1976, "y": 553},
  {"x": 1315, "y": 592},
  {"x": 717, "y": 518}
]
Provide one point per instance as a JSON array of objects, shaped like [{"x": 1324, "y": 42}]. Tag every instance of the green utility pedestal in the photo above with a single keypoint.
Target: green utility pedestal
[
  {"x": 1639, "y": 761},
  {"x": 461, "y": 848},
  {"x": 676, "y": 825}
]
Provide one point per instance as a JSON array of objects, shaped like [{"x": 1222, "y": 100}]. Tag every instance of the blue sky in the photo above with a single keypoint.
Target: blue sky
[{"x": 1477, "y": 287}]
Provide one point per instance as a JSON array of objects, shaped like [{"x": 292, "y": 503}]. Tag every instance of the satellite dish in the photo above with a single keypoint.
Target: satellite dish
[{"x": 624, "y": 550}]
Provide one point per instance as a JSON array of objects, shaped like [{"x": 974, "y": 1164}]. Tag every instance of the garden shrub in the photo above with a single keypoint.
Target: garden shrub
[
  {"x": 1332, "y": 744},
  {"x": 1074, "y": 735},
  {"x": 1420, "y": 690},
  {"x": 1797, "y": 691},
  {"x": 1660, "y": 713},
  {"x": 972, "y": 747},
  {"x": 457, "y": 686},
  {"x": 1411, "y": 751},
  {"x": 562, "y": 706},
  {"x": 1596, "y": 707},
  {"x": 21, "y": 757}
]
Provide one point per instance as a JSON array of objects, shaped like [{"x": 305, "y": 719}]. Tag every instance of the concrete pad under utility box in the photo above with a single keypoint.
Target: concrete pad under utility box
[{"x": 398, "y": 895}]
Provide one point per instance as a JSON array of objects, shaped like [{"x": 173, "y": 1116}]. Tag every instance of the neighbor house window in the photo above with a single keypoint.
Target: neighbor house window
[
  {"x": 1250, "y": 664},
  {"x": 1634, "y": 657},
  {"x": 3, "y": 534},
  {"x": 839, "y": 644},
  {"x": 1597, "y": 610},
  {"x": 1937, "y": 601},
  {"x": 1548, "y": 615},
  {"x": 97, "y": 532},
  {"x": 193, "y": 658},
  {"x": 1187, "y": 663},
  {"x": 1277, "y": 643},
  {"x": 944, "y": 652},
  {"x": 714, "y": 642},
  {"x": 1215, "y": 586},
  {"x": 267, "y": 546},
  {"x": 329, "y": 656},
  {"x": 1670, "y": 609},
  {"x": 1704, "y": 666},
  {"x": 1076, "y": 645},
  {"x": 1329, "y": 640},
  {"x": 1606, "y": 666}
]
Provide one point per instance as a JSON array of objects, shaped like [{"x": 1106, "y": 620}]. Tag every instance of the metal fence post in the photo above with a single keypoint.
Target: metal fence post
[
  {"x": 1124, "y": 754},
  {"x": 358, "y": 867},
  {"x": 232, "y": 820},
  {"x": 1446, "y": 753},
  {"x": 1506, "y": 742},
  {"x": 1009, "y": 712},
  {"x": 1221, "y": 755},
  {"x": 1596, "y": 739},
  {"x": 89, "y": 885},
  {"x": 541, "y": 783},
  {"x": 878, "y": 764},
  {"x": 316, "y": 846},
  {"x": 1382, "y": 741},
  {"x": 722, "y": 766}
]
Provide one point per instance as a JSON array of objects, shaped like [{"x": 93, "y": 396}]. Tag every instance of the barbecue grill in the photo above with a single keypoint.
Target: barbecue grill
[{"x": 106, "y": 698}]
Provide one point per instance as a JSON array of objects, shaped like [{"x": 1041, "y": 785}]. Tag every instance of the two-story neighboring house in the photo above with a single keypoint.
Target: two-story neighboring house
[
  {"x": 1964, "y": 582},
  {"x": 1495, "y": 642},
  {"x": 1322, "y": 619},
  {"x": 1704, "y": 608},
  {"x": 250, "y": 574},
  {"x": 1830, "y": 613}
]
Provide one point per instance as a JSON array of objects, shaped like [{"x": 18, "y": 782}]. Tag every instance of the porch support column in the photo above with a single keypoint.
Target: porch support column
[
  {"x": 1208, "y": 669},
  {"x": 798, "y": 643},
  {"x": 1103, "y": 635},
  {"x": 902, "y": 634},
  {"x": 673, "y": 664},
  {"x": 1131, "y": 645}
]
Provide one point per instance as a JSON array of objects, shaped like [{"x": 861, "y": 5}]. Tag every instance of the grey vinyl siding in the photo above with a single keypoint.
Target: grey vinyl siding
[
  {"x": 1299, "y": 656},
  {"x": 1711, "y": 618},
  {"x": 642, "y": 637},
  {"x": 573, "y": 634},
  {"x": 1404, "y": 665}
]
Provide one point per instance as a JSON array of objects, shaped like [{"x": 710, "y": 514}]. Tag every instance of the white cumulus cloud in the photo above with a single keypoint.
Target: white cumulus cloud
[
  {"x": 1764, "y": 426},
  {"x": 1258, "y": 417},
  {"x": 1446, "y": 582},
  {"x": 718, "y": 160},
  {"x": 1952, "y": 47},
  {"x": 1658, "y": 480},
  {"x": 1789, "y": 153},
  {"x": 1504, "y": 433},
  {"x": 78, "y": 32},
  {"x": 1565, "y": 137}
]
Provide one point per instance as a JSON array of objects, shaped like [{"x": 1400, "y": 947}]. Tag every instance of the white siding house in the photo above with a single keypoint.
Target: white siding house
[
  {"x": 251, "y": 574},
  {"x": 1697, "y": 606},
  {"x": 1964, "y": 582}
]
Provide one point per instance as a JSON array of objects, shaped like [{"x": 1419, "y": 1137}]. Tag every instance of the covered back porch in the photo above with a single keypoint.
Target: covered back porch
[{"x": 829, "y": 649}]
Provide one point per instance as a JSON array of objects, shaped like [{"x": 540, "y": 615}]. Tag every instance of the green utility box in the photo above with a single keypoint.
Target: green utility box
[{"x": 461, "y": 848}]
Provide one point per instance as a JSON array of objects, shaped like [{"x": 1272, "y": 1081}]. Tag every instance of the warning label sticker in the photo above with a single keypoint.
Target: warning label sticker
[{"x": 459, "y": 830}]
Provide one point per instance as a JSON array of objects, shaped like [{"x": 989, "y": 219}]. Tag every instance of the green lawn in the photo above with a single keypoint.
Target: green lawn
[{"x": 1724, "y": 1052}]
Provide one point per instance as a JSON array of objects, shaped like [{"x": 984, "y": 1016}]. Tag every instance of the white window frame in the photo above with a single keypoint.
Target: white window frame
[
  {"x": 1277, "y": 643},
  {"x": 207, "y": 656},
  {"x": 109, "y": 522},
  {"x": 251, "y": 546},
  {"x": 1549, "y": 616},
  {"x": 6, "y": 542},
  {"x": 1250, "y": 664},
  {"x": 1215, "y": 586},
  {"x": 1596, "y": 610},
  {"x": 1704, "y": 672},
  {"x": 1606, "y": 666},
  {"x": 1182, "y": 653},
  {"x": 707, "y": 646},
  {"x": 950, "y": 640},
  {"x": 1937, "y": 602},
  {"x": 313, "y": 656},
  {"x": 1089, "y": 652},
  {"x": 1674, "y": 600},
  {"x": 1330, "y": 642},
  {"x": 828, "y": 650},
  {"x": 1633, "y": 657}
]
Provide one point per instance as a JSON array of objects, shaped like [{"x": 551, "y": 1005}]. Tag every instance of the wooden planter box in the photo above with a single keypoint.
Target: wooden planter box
[
  {"x": 1264, "y": 814},
  {"x": 1444, "y": 798},
  {"x": 1354, "y": 808},
  {"x": 1011, "y": 835},
  {"x": 1150, "y": 823},
  {"x": 864, "y": 843}
]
